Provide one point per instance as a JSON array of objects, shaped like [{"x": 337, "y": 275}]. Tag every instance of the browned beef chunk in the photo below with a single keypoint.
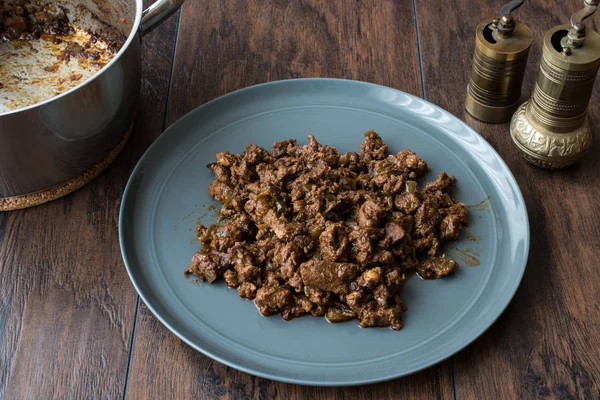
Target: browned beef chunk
[
  {"x": 327, "y": 275},
  {"x": 394, "y": 232},
  {"x": 333, "y": 241},
  {"x": 220, "y": 191},
  {"x": 270, "y": 300},
  {"x": 386, "y": 316},
  {"x": 246, "y": 272},
  {"x": 393, "y": 184},
  {"x": 442, "y": 183},
  {"x": 429, "y": 244},
  {"x": 267, "y": 174},
  {"x": 305, "y": 243},
  {"x": 455, "y": 219},
  {"x": 370, "y": 278},
  {"x": 411, "y": 165},
  {"x": 259, "y": 205},
  {"x": 287, "y": 257},
  {"x": 247, "y": 290},
  {"x": 363, "y": 181},
  {"x": 302, "y": 306},
  {"x": 231, "y": 278},
  {"x": 356, "y": 300},
  {"x": 339, "y": 314},
  {"x": 372, "y": 148},
  {"x": 255, "y": 154},
  {"x": 232, "y": 231},
  {"x": 436, "y": 267},
  {"x": 222, "y": 174},
  {"x": 427, "y": 218},
  {"x": 280, "y": 227},
  {"x": 370, "y": 214},
  {"x": 351, "y": 161},
  {"x": 208, "y": 265},
  {"x": 407, "y": 202},
  {"x": 226, "y": 159},
  {"x": 317, "y": 296},
  {"x": 362, "y": 248},
  {"x": 382, "y": 295},
  {"x": 395, "y": 278},
  {"x": 286, "y": 147},
  {"x": 382, "y": 257}
]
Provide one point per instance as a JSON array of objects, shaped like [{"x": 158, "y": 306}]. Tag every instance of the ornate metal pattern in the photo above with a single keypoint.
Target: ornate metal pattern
[
  {"x": 560, "y": 76},
  {"x": 546, "y": 149}
]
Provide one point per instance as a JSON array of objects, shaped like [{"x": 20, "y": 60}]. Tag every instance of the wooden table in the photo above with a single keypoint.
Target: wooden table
[{"x": 72, "y": 326}]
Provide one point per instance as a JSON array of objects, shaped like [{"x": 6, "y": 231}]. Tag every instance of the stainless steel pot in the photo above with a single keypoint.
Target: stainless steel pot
[{"x": 53, "y": 142}]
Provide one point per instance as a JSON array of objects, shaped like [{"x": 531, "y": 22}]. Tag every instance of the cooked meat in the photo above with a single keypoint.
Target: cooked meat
[
  {"x": 407, "y": 202},
  {"x": 455, "y": 218},
  {"x": 247, "y": 290},
  {"x": 328, "y": 275},
  {"x": 374, "y": 315},
  {"x": 436, "y": 267},
  {"x": 208, "y": 265},
  {"x": 333, "y": 241},
  {"x": 273, "y": 299},
  {"x": 308, "y": 230},
  {"x": 370, "y": 214},
  {"x": 29, "y": 21},
  {"x": 47, "y": 20}
]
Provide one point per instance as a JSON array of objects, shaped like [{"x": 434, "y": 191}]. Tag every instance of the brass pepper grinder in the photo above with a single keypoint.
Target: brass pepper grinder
[
  {"x": 553, "y": 130},
  {"x": 501, "y": 50}
]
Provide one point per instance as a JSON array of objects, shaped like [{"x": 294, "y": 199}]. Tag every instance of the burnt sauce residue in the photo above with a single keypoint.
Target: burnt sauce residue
[
  {"x": 475, "y": 239},
  {"x": 484, "y": 205},
  {"x": 48, "y": 21},
  {"x": 193, "y": 279},
  {"x": 50, "y": 49},
  {"x": 468, "y": 256},
  {"x": 188, "y": 216}
]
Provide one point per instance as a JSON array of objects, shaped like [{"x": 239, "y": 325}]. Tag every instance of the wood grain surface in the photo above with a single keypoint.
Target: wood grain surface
[
  {"x": 71, "y": 325},
  {"x": 546, "y": 343},
  {"x": 66, "y": 304}
]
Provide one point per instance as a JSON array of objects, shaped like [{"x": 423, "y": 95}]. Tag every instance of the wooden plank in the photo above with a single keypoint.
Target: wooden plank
[
  {"x": 545, "y": 344},
  {"x": 66, "y": 303},
  {"x": 225, "y": 45},
  {"x": 228, "y": 45},
  {"x": 163, "y": 366}
]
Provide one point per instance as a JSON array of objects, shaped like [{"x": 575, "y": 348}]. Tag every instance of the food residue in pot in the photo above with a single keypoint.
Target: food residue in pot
[{"x": 44, "y": 51}]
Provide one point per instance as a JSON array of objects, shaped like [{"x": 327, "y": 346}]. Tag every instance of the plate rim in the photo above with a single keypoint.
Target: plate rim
[{"x": 282, "y": 377}]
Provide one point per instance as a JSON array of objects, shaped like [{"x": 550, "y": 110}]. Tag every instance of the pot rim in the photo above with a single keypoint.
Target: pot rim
[{"x": 132, "y": 34}]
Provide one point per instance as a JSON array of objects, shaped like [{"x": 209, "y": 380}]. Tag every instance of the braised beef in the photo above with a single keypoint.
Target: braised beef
[
  {"x": 436, "y": 267},
  {"x": 28, "y": 21},
  {"x": 328, "y": 275},
  {"x": 308, "y": 230}
]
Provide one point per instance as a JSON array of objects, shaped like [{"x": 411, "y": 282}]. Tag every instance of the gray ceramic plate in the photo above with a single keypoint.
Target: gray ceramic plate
[{"x": 166, "y": 195}]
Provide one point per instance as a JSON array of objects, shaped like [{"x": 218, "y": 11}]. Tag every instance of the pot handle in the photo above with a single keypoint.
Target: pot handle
[{"x": 158, "y": 12}]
